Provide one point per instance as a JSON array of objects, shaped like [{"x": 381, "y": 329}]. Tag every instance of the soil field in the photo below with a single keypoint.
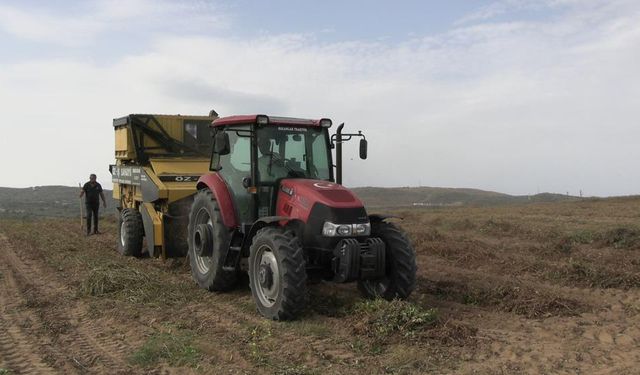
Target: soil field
[{"x": 541, "y": 288}]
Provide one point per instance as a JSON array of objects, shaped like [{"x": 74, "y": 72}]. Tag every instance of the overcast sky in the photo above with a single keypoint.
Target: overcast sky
[{"x": 515, "y": 96}]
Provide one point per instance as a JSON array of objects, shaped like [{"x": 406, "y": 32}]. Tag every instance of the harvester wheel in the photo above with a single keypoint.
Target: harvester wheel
[
  {"x": 130, "y": 232},
  {"x": 209, "y": 241},
  {"x": 400, "y": 279},
  {"x": 277, "y": 274}
]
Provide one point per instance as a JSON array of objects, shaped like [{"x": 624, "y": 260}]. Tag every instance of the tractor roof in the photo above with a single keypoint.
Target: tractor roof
[{"x": 249, "y": 119}]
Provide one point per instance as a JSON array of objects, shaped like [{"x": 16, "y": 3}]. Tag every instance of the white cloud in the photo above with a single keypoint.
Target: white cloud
[
  {"x": 484, "y": 13},
  {"x": 39, "y": 26},
  {"x": 82, "y": 24},
  {"x": 513, "y": 107}
]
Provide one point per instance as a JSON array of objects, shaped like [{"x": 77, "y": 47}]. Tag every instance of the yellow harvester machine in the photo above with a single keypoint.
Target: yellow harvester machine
[{"x": 159, "y": 159}]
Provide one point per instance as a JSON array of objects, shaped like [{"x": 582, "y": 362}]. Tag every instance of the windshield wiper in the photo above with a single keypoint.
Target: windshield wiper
[{"x": 284, "y": 164}]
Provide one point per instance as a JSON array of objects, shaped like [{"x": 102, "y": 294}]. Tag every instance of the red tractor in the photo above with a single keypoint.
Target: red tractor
[{"x": 273, "y": 207}]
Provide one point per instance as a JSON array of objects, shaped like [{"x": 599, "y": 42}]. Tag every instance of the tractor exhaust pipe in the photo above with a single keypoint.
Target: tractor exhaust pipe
[{"x": 339, "y": 154}]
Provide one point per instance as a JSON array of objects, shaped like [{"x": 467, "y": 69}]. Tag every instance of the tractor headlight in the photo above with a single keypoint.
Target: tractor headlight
[
  {"x": 344, "y": 230},
  {"x": 262, "y": 120},
  {"x": 362, "y": 229},
  {"x": 330, "y": 229},
  {"x": 325, "y": 123}
]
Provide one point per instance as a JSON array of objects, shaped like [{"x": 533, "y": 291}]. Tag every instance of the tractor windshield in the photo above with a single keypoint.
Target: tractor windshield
[{"x": 293, "y": 152}]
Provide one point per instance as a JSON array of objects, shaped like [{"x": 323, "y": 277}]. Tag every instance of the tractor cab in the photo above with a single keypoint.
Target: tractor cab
[
  {"x": 273, "y": 206},
  {"x": 254, "y": 154}
]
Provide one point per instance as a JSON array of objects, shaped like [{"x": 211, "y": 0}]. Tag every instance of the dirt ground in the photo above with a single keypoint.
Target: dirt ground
[{"x": 531, "y": 288}]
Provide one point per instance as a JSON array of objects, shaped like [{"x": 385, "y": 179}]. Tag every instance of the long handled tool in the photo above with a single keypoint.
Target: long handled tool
[{"x": 81, "y": 209}]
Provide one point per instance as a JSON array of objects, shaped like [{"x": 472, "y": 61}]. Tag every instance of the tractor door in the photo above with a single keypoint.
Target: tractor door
[
  {"x": 270, "y": 172},
  {"x": 236, "y": 166}
]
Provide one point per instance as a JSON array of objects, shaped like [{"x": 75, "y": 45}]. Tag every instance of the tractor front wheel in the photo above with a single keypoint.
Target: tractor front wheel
[
  {"x": 400, "y": 278},
  {"x": 209, "y": 242},
  {"x": 277, "y": 274},
  {"x": 130, "y": 232}
]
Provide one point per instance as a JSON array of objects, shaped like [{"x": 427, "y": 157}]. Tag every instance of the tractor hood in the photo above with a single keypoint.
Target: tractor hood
[{"x": 319, "y": 191}]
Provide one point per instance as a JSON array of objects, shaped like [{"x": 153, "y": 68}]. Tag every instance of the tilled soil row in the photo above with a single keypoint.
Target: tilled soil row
[
  {"x": 51, "y": 328},
  {"x": 17, "y": 349},
  {"x": 231, "y": 334}
]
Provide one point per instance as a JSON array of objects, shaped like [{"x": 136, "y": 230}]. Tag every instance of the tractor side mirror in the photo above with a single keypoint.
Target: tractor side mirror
[
  {"x": 363, "y": 149},
  {"x": 221, "y": 143}
]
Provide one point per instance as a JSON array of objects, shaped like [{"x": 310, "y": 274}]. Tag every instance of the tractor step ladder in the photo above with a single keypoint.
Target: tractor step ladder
[{"x": 232, "y": 258}]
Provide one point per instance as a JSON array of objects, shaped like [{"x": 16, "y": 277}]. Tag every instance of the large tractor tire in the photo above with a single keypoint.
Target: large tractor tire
[
  {"x": 400, "y": 278},
  {"x": 209, "y": 241},
  {"x": 277, "y": 274},
  {"x": 130, "y": 232}
]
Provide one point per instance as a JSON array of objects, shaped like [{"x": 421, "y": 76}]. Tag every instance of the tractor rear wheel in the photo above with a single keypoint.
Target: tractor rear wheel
[
  {"x": 277, "y": 274},
  {"x": 400, "y": 278},
  {"x": 209, "y": 241},
  {"x": 130, "y": 232}
]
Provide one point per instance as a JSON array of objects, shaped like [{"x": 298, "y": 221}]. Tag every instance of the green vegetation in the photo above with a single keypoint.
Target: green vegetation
[
  {"x": 583, "y": 236},
  {"x": 132, "y": 284},
  {"x": 566, "y": 243},
  {"x": 499, "y": 227},
  {"x": 112, "y": 278},
  {"x": 622, "y": 237},
  {"x": 4, "y": 371},
  {"x": 384, "y": 319},
  {"x": 174, "y": 348},
  {"x": 258, "y": 337},
  {"x": 617, "y": 238},
  {"x": 580, "y": 272}
]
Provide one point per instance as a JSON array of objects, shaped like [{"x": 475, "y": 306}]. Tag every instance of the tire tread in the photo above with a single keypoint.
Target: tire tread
[
  {"x": 294, "y": 275},
  {"x": 218, "y": 280},
  {"x": 134, "y": 233},
  {"x": 403, "y": 269}
]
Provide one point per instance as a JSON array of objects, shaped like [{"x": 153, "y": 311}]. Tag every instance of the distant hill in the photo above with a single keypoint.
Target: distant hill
[
  {"x": 441, "y": 197},
  {"x": 62, "y": 201},
  {"x": 50, "y": 201}
]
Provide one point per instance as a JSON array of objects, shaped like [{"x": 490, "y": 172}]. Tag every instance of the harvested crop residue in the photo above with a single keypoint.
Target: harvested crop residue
[{"x": 530, "y": 288}]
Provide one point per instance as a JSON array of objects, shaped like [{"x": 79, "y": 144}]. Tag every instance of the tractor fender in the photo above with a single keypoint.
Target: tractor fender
[
  {"x": 220, "y": 190},
  {"x": 259, "y": 224},
  {"x": 375, "y": 218}
]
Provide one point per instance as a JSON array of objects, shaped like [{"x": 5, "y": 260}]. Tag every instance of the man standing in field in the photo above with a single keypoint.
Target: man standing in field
[{"x": 93, "y": 191}]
